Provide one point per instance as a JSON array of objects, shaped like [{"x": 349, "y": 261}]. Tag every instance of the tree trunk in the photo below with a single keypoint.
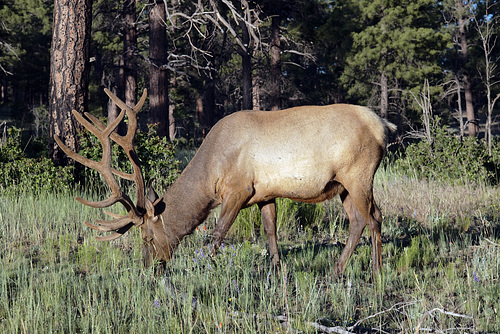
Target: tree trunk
[
  {"x": 158, "y": 75},
  {"x": 464, "y": 55},
  {"x": 460, "y": 111},
  {"x": 384, "y": 96},
  {"x": 69, "y": 72},
  {"x": 256, "y": 94},
  {"x": 246, "y": 63},
  {"x": 119, "y": 90},
  {"x": 129, "y": 47},
  {"x": 210, "y": 111},
  {"x": 125, "y": 87},
  {"x": 208, "y": 117},
  {"x": 275, "y": 63}
]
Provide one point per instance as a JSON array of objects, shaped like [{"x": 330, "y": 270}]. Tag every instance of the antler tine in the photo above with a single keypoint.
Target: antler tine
[
  {"x": 116, "y": 137},
  {"x": 118, "y": 233},
  {"x": 103, "y": 133},
  {"x": 127, "y": 143},
  {"x": 111, "y": 225},
  {"x": 121, "y": 224}
]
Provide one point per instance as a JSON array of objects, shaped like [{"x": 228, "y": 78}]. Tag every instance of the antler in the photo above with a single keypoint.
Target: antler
[{"x": 121, "y": 223}]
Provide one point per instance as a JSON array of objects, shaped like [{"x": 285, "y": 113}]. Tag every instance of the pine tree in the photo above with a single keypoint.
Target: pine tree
[
  {"x": 69, "y": 71},
  {"x": 396, "y": 51}
]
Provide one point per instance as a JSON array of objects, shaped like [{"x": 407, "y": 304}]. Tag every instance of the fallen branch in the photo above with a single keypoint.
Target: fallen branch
[
  {"x": 395, "y": 306},
  {"x": 325, "y": 329},
  {"x": 491, "y": 242},
  {"x": 453, "y": 314}
]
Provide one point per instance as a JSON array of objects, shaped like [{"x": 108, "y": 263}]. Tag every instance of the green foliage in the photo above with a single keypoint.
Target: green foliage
[
  {"x": 25, "y": 36},
  {"x": 450, "y": 159},
  {"x": 401, "y": 40},
  {"x": 420, "y": 253},
  {"x": 156, "y": 156},
  {"x": 19, "y": 172},
  {"x": 11, "y": 150}
]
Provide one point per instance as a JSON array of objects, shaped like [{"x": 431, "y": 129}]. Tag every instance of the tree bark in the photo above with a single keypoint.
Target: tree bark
[
  {"x": 158, "y": 75},
  {"x": 208, "y": 116},
  {"x": 125, "y": 87},
  {"x": 119, "y": 90},
  {"x": 464, "y": 57},
  {"x": 384, "y": 96},
  {"x": 129, "y": 47},
  {"x": 275, "y": 63},
  {"x": 459, "y": 103},
  {"x": 69, "y": 72},
  {"x": 246, "y": 63}
]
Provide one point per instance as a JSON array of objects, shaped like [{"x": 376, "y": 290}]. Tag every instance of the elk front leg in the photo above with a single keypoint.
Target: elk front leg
[
  {"x": 231, "y": 206},
  {"x": 268, "y": 211}
]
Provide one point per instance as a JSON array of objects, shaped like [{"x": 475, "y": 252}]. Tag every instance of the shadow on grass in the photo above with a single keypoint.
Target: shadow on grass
[{"x": 320, "y": 255}]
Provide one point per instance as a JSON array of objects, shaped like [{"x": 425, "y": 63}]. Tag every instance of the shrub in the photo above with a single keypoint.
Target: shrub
[
  {"x": 10, "y": 150},
  {"x": 156, "y": 155},
  {"x": 19, "y": 172},
  {"x": 451, "y": 159}
]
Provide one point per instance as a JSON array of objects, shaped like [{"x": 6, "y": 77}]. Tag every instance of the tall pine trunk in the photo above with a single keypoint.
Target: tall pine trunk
[
  {"x": 464, "y": 57},
  {"x": 125, "y": 86},
  {"x": 384, "y": 96},
  {"x": 69, "y": 72},
  {"x": 246, "y": 64},
  {"x": 158, "y": 75},
  {"x": 129, "y": 47},
  {"x": 275, "y": 63}
]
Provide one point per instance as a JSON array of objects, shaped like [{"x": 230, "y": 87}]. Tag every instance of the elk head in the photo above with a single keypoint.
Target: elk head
[{"x": 146, "y": 212}]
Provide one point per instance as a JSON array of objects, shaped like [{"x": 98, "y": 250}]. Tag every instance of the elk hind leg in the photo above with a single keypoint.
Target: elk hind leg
[
  {"x": 268, "y": 211},
  {"x": 375, "y": 231},
  {"x": 357, "y": 225},
  {"x": 365, "y": 207}
]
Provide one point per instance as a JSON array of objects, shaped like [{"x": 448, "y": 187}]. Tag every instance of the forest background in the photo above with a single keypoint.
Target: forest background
[{"x": 408, "y": 60}]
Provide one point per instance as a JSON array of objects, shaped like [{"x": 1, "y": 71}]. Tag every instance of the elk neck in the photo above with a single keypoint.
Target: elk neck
[{"x": 188, "y": 201}]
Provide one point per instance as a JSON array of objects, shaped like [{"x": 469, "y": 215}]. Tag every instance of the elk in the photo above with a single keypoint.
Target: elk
[{"x": 308, "y": 154}]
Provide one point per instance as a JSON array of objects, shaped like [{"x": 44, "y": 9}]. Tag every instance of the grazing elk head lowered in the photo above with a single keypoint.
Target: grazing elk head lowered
[{"x": 307, "y": 154}]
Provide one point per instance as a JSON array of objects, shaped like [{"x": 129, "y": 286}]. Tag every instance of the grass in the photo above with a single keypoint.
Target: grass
[{"x": 441, "y": 254}]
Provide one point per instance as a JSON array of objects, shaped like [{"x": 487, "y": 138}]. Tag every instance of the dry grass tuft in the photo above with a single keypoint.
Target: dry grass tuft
[{"x": 428, "y": 201}]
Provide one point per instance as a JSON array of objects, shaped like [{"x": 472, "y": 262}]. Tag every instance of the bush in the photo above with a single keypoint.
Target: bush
[
  {"x": 156, "y": 155},
  {"x": 18, "y": 172},
  {"x": 451, "y": 159}
]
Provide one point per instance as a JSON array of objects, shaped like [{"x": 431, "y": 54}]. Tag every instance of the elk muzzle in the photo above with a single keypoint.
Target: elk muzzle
[{"x": 157, "y": 246}]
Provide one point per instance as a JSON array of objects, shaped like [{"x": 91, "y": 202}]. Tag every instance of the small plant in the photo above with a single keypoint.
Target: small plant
[{"x": 420, "y": 253}]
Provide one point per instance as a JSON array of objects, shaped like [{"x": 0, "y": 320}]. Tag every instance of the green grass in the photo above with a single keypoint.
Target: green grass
[{"x": 441, "y": 251}]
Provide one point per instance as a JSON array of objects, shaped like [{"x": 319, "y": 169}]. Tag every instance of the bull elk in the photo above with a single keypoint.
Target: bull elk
[{"x": 306, "y": 154}]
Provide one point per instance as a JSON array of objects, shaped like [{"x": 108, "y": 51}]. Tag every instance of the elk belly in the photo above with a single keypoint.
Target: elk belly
[{"x": 292, "y": 176}]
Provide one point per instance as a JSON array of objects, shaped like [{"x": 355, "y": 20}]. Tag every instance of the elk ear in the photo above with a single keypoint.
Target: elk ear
[
  {"x": 154, "y": 204},
  {"x": 150, "y": 208},
  {"x": 152, "y": 195}
]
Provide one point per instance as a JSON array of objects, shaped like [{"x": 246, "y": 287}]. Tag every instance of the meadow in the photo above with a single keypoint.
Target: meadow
[{"x": 441, "y": 268}]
